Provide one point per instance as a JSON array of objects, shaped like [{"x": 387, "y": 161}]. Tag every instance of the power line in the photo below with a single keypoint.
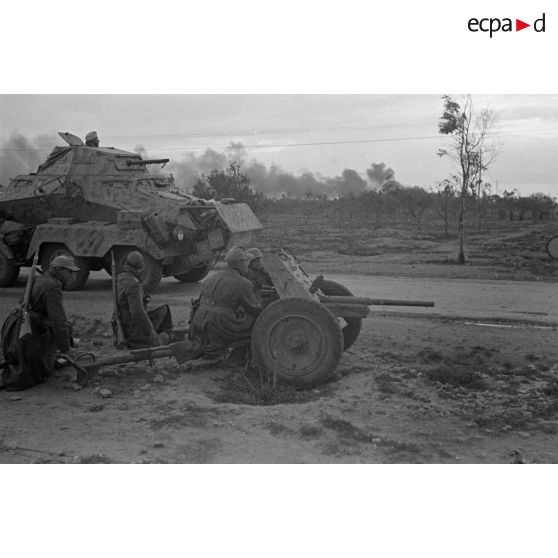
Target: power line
[
  {"x": 257, "y": 132},
  {"x": 273, "y": 145},
  {"x": 268, "y": 145},
  {"x": 307, "y": 144}
]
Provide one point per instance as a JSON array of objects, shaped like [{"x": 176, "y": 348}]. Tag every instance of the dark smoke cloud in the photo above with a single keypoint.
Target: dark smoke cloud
[
  {"x": 378, "y": 173},
  {"x": 237, "y": 151},
  {"x": 273, "y": 181},
  {"x": 190, "y": 166},
  {"x": 19, "y": 155},
  {"x": 349, "y": 183}
]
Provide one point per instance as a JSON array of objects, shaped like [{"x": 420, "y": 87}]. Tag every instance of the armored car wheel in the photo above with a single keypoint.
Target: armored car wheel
[
  {"x": 298, "y": 339},
  {"x": 196, "y": 274},
  {"x": 8, "y": 271},
  {"x": 80, "y": 277},
  {"x": 352, "y": 327}
]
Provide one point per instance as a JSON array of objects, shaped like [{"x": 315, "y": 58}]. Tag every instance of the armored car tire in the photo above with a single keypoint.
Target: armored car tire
[
  {"x": 196, "y": 274},
  {"x": 8, "y": 271},
  {"x": 353, "y": 325},
  {"x": 298, "y": 339},
  {"x": 49, "y": 252}
]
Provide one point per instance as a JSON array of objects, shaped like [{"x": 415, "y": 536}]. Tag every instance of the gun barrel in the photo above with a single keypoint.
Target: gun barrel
[
  {"x": 374, "y": 301},
  {"x": 148, "y": 162}
]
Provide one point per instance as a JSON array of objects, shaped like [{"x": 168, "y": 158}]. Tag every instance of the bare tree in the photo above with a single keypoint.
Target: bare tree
[
  {"x": 445, "y": 192},
  {"x": 483, "y": 200},
  {"x": 469, "y": 147},
  {"x": 415, "y": 201}
]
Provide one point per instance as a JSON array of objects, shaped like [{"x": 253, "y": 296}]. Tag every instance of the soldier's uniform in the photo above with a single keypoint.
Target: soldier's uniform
[
  {"x": 29, "y": 359},
  {"x": 261, "y": 281},
  {"x": 227, "y": 305},
  {"x": 140, "y": 327},
  {"x": 47, "y": 306}
]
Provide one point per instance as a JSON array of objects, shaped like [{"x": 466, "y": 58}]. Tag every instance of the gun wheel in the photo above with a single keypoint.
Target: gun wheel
[
  {"x": 298, "y": 339},
  {"x": 351, "y": 328}
]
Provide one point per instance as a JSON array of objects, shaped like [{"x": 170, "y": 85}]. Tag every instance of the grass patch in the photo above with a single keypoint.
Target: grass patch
[
  {"x": 92, "y": 459},
  {"x": 386, "y": 384},
  {"x": 551, "y": 388},
  {"x": 253, "y": 388},
  {"x": 520, "y": 410},
  {"x": 531, "y": 357},
  {"x": 430, "y": 356},
  {"x": 201, "y": 451},
  {"x": 390, "y": 384},
  {"x": 345, "y": 429},
  {"x": 190, "y": 415},
  {"x": 476, "y": 354},
  {"x": 308, "y": 431},
  {"x": 398, "y": 446},
  {"x": 457, "y": 377},
  {"x": 276, "y": 428}
]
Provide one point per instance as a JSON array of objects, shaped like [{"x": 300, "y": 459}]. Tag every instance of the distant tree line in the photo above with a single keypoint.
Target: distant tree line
[{"x": 389, "y": 204}]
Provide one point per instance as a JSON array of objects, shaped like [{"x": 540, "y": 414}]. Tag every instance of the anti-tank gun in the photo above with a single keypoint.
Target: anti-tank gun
[
  {"x": 301, "y": 334},
  {"x": 89, "y": 201}
]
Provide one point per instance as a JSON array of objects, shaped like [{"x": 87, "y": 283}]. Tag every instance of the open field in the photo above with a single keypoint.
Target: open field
[
  {"x": 513, "y": 250},
  {"x": 465, "y": 382}
]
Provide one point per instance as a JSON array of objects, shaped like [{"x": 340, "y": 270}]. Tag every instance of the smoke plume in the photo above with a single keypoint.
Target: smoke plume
[
  {"x": 378, "y": 173},
  {"x": 19, "y": 155}
]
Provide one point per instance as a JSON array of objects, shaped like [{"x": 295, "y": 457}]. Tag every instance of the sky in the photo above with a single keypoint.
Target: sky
[{"x": 323, "y": 134}]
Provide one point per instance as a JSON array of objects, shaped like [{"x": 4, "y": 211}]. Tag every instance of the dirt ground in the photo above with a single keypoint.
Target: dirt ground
[{"x": 414, "y": 388}]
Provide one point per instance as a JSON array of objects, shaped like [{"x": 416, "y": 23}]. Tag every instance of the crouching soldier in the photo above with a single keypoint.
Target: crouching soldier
[
  {"x": 141, "y": 328},
  {"x": 30, "y": 359},
  {"x": 227, "y": 306},
  {"x": 261, "y": 281}
]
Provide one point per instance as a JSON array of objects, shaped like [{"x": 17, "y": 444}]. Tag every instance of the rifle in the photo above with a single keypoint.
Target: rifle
[
  {"x": 119, "y": 331},
  {"x": 25, "y": 306}
]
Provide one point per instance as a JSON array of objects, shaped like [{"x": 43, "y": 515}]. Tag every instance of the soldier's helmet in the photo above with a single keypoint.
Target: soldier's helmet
[
  {"x": 64, "y": 261},
  {"x": 135, "y": 260},
  {"x": 92, "y": 139},
  {"x": 235, "y": 255},
  {"x": 253, "y": 254}
]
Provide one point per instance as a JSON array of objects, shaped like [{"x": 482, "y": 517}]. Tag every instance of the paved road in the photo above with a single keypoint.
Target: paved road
[{"x": 504, "y": 300}]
